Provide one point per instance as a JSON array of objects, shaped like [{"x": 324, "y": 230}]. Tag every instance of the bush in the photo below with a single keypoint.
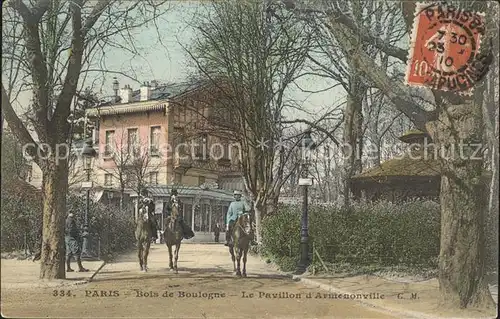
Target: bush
[
  {"x": 21, "y": 217},
  {"x": 382, "y": 233},
  {"x": 112, "y": 229}
]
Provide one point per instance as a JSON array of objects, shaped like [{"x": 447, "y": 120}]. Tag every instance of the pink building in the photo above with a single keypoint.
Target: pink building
[{"x": 157, "y": 137}]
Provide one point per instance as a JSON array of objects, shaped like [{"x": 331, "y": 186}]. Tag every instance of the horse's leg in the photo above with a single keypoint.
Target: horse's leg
[
  {"x": 245, "y": 252},
  {"x": 238, "y": 261},
  {"x": 146, "y": 253},
  {"x": 231, "y": 251},
  {"x": 177, "y": 248},
  {"x": 139, "y": 253},
  {"x": 170, "y": 264}
]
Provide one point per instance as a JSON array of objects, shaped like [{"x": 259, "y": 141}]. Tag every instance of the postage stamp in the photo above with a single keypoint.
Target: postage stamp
[{"x": 445, "y": 40}]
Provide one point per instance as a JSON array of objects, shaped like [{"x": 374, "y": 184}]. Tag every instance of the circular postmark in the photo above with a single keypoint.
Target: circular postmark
[{"x": 445, "y": 44}]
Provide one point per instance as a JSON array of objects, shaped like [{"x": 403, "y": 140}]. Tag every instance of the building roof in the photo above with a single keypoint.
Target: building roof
[
  {"x": 160, "y": 105},
  {"x": 414, "y": 135},
  {"x": 158, "y": 101},
  {"x": 404, "y": 166},
  {"x": 190, "y": 191}
]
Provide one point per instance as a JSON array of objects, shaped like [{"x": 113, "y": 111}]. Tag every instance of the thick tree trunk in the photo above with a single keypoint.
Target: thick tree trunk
[
  {"x": 353, "y": 128},
  {"x": 463, "y": 206},
  {"x": 492, "y": 219},
  {"x": 55, "y": 187}
]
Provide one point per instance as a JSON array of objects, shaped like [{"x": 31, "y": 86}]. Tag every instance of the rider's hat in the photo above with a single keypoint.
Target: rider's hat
[
  {"x": 174, "y": 192},
  {"x": 236, "y": 192}
]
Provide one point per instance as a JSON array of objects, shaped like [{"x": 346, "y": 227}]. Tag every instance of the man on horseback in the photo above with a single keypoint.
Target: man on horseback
[
  {"x": 187, "y": 233},
  {"x": 146, "y": 202},
  {"x": 235, "y": 210}
]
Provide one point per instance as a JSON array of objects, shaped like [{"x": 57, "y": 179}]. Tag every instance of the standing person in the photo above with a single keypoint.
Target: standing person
[
  {"x": 217, "y": 232},
  {"x": 148, "y": 202},
  {"x": 236, "y": 208},
  {"x": 187, "y": 232},
  {"x": 73, "y": 244}
]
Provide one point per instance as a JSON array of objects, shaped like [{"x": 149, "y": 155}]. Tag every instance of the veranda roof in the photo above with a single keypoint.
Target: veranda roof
[{"x": 190, "y": 191}]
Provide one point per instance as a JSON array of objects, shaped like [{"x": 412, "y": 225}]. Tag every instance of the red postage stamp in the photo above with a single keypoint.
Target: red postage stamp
[{"x": 445, "y": 40}]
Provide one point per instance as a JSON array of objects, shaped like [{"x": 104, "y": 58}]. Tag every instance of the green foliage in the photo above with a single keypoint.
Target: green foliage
[
  {"x": 22, "y": 220},
  {"x": 12, "y": 160},
  {"x": 114, "y": 229},
  {"x": 371, "y": 234}
]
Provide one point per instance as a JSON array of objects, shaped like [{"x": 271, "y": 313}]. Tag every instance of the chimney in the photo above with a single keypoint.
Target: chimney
[
  {"x": 145, "y": 92},
  {"x": 126, "y": 94}
]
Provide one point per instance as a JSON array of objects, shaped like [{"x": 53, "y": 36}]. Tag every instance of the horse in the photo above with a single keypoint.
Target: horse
[
  {"x": 173, "y": 234},
  {"x": 242, "y": 236},
  {"x": 143, "y": 234}
]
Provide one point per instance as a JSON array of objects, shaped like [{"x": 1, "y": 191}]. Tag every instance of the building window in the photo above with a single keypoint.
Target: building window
[
  {"x": 201, "y": 180},
  {"x": 153, "y": 178},
  {"x": 110, "y": 138},
  {"x": 132, "y": 140},
  {"x": 180, "y": 139},
  {"x": 225, "y": 149},
  {"x": 130, "y": 179},
  {"x": 184, "y": 113},
  {"x": 202, "y": 149},
  {"x": 154, "y": 138},
  {"x": 178, "y": 178},
  {"x": 108, "y": 179}
]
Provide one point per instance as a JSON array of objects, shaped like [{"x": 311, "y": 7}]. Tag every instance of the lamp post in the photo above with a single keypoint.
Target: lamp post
[
  {"x": 88, "y": 154},
  {"x": 305, "y": 181}
]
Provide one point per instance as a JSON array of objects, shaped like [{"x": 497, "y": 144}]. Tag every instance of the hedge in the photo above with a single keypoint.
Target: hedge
[
  {"x": 21, "y": 223},
  {"x": 21, "y": 220},
  {"x": 114, "y": 229},
  {"x": 382, "y": 233}
]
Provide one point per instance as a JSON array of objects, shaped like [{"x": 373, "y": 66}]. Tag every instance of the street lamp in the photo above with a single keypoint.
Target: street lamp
[
  {"x": 88, "y": 154},
  {"x": 305, "y": 181}
]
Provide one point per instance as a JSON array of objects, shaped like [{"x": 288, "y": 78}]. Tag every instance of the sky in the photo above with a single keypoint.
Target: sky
[{"x": 163, "y": 58}]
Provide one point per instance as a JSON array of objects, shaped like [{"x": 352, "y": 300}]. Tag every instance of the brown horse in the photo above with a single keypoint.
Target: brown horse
[
  {"x": 143, "y": 233},
  {"x": 242, "y": 236},
  {"x": 173, "y": 234}
]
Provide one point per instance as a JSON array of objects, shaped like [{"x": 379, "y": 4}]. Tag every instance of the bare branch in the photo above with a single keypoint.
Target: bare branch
[{"x": 18, "y": 128}]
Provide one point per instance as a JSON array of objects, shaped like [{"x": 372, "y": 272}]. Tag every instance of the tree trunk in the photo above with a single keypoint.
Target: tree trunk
[
  {"x": 462, "y": 254},
  {"x": 54, "y": 187},
  {"x": 259, "y": 211},
  {"x": 122, "y": 195},
  {"x": 492, "y": 220},
  {"x": 352, "y": 140}
]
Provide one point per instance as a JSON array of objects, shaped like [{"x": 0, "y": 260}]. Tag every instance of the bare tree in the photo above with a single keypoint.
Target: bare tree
[
  {"x": 47, "y": 47},
  {"x": 252, "y": 60},
  {"x": 120, "y": 157},
  {"x": 455, "y": 118},
  {"x": 141, "y": 167}
]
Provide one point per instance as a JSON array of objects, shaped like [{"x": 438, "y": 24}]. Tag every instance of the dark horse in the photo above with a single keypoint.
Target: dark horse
[
  {"x": 143, "y": 235},
  {"x": 173, "y": 234},
  {"x": 242, "y": 236}
]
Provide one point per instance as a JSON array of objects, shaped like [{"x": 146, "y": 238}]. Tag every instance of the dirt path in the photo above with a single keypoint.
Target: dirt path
[{"x": 204, "y": 288}]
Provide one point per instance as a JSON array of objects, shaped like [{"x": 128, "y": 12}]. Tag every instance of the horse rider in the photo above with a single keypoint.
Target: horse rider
[
  {"x": 148, "y": 202},
  {"x": 73, "y": 242},
  {"x": 235, "y": 210},
  {"x": 187, "y": 233}
]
